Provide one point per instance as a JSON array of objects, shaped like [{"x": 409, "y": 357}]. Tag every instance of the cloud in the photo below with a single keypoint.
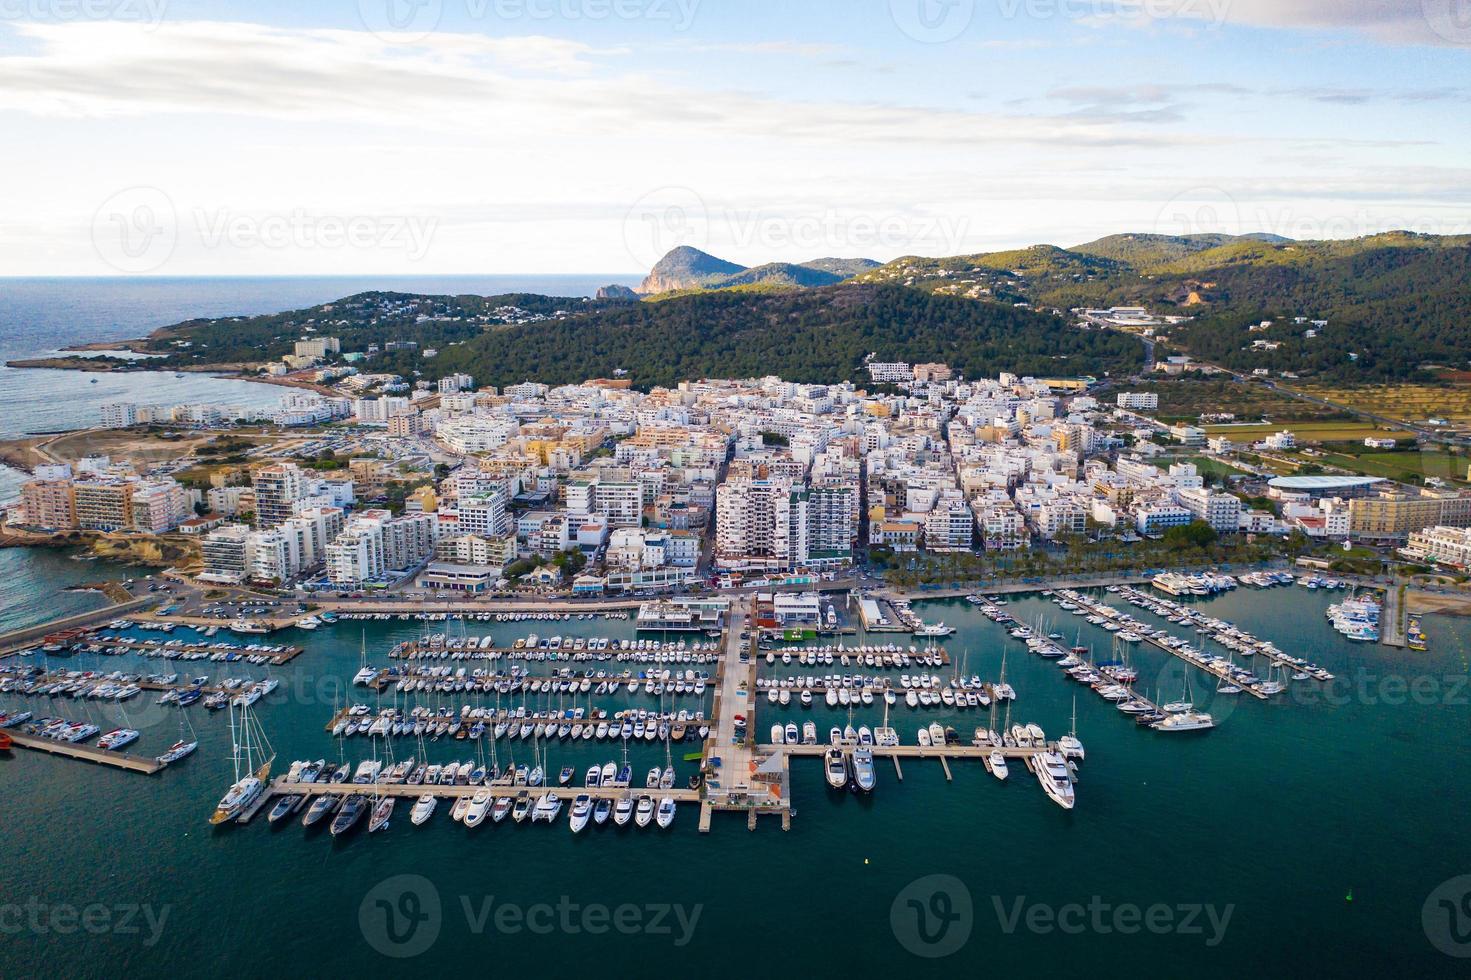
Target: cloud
[
  {"x": 1427, "y": 22},
  {"x": 459, "y": 83}
]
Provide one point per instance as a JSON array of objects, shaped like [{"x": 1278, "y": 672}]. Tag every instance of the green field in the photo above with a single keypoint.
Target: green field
[
  {"x": 1205, "y": 464},
  {"x": 1306, "y": 431},
  {"x": 1394, "y": 465}
]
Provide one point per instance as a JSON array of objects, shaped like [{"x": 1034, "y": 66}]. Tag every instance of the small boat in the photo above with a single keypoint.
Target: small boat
[
  {"x": 665, "y": 815},
  {"x": 644, "y": 812},
  {"x": 623, "y": 811},
  {"x": 320, "y": 807},
  {"x": 353, "y": 809},
  {"x": 547, "y": 808},
  {"x": 778, "y": 735},
  {"x": 998, "y": 765},
  {"x": 381, "y": 814},
  {"x": 521, "y": 809},
  {"x": 564, "y": 778},
  {"x": 601, "y": 811},
  {"x": 423, "y": 809},
  {"x": 581, "y": 812},
  {"x": 479, "y": 806},
  {"x": 283, "y": 809},
  {"x": 501, "y": 809},
  {"x": 835, "y": 768},
  {"x": 863, "y": 770}
]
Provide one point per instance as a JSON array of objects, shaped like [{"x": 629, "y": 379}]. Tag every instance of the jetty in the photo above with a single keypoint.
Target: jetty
[{"x": 87, "y": 753}]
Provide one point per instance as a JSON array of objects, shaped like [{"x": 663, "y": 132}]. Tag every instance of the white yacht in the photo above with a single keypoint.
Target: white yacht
[
  {"x": 547, "y": 808},
  {"x": 644, "y": 812},
  {"x": 835, "y": 768},
  {"x": 581, "y": 811},
  {"x": 665, "y": 815},
  {"x": 423, "y": 809},
  {"x": 479, "y": 807},
  {"x": 1052, "y": 772},
  {"x": 998, "y": 765},
  {"x": 1185, "y": 721},
  {"x": 623, "y": 811}
]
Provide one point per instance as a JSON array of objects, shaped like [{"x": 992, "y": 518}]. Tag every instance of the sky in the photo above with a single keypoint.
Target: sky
[{"x": 198, "y": 137}]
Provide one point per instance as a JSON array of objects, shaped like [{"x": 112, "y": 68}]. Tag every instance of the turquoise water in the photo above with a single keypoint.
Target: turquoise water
[{"x": 1278, "y": 816}]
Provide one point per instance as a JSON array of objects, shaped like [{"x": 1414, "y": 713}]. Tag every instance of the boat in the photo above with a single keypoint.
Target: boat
[
  {"x": 791, "y": 733},
  {"x": 1071, "y": 747},
  {"x": 117, "y": 739},
  {"x": 863, "y": 769},
  {"x": 382, "y": 811},
  {"x": 423, "y": 809},
  {"x": 252, "y": 759},
  {"x": 6, "y": 742},
  {"x": 547, "y": 808},
  {"x": 778, "y": 734},
  {"x": 665, "y": 815},
  {"x": 1057, "y": 782},
  {"x": 283, "y": 808},
  {"x": 1185, "y": 721},
  {"x": 835, "y": 768},
  {"x": 581, "y": 812},
  {"x": 623, "y": 811},
  {"x": 998, "y": 765},
  {"x": 501, "y": 809},
  {"x": 601, "y": 810},
  {"x": 564, "y": 778},
  {"x": 321, "y": 806},
  {"x": 521, "y": 809},
  {"x": 353, "y": 809},
  {"x": 479, "y": 807}
]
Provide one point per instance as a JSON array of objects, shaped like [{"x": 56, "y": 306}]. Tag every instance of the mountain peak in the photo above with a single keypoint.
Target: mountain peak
[{"x": 686, "y": 267}]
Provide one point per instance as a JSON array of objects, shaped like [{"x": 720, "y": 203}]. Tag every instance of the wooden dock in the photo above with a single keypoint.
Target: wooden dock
[
  {"x": 87, "y": 753},
  {"x": 1188, "y": 655},
  {"x": 281, "y": 786}
]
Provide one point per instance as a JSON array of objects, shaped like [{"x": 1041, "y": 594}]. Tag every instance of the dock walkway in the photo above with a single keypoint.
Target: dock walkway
[{"x": 87, "y": 753}]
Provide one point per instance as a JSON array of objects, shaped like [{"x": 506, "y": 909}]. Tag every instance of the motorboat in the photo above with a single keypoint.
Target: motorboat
[
  {"x": 835, "y": 768},
  {"x": 321, "y": 806},
  {"x": 581, "y": 812},
  {"x": 601, "y": 810},
  {"x": 479, "y": 807},
  {"x": 353, "y": 809},
  {"x": 863, "y": 769},
  {"x": 665, "y": 815},
  {"x": 521, "y": 809},
  {"x": 423, "y": 809},
  {"x": 644, "y": 811},
  {"x": 501, "y": 809},
  {"x": 283, "y": 809},
  {"x": 1057, "y": 782},
  {"x": 1185, "y": 721},
  {"x": 998, "y": 765},
  {"x": 623, "y": 811}
]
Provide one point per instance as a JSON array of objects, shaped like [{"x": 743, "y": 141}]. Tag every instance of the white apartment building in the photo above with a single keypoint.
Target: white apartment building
[
  {"x": 1440, "y": 545},
  {"x": 226, "y": 555},
  {"x": 277, "y": 489},
  {"x": 950, "y": 526},
  {"x": 118, "y": 415},
  {"x": 1138, "y": 401},
  {"x": 467, "y": 434},
  {"x": 159, "y": 507},
  {"x": 1221, "y": 511},
  {"x": 455, "y": 383},
  {"x": 759, "y": 524}
]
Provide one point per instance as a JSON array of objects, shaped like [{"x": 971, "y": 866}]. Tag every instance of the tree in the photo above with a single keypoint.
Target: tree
[{"x": 1196, "y": 534}]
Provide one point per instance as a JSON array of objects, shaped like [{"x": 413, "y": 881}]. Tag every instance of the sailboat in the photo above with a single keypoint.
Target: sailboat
[
  {"x": 1071, "y": 747},
  {"x": 252, "y": 756},
  {"x": 1227, "y": 686},
  {"x": 186, "y": 743}
]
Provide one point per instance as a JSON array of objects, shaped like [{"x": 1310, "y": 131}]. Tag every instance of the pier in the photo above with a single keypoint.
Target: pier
[
  {"x": 1393, "y": 619},
  {"x": 17, "y": 640},
  {"x": 1187, "y": 655},
  {"x": 87, "y": 753}
]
